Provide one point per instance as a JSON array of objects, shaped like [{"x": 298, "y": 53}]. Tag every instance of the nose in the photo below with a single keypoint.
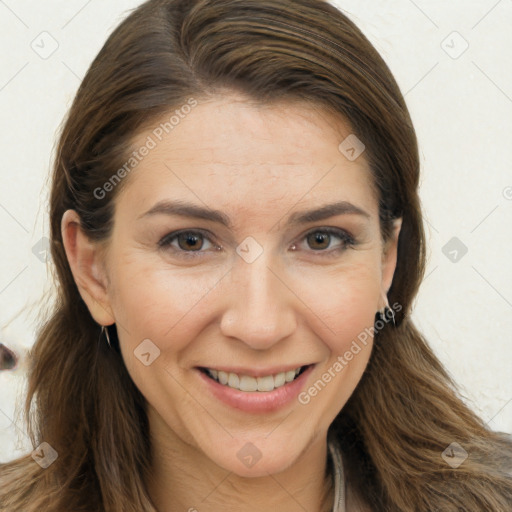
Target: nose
[{"x": 261, "y": 305}]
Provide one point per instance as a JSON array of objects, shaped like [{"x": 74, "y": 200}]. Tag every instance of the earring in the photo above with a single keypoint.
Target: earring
[
  {"x": 105, "y": 330},
  {"x": 386, "y": 313}
]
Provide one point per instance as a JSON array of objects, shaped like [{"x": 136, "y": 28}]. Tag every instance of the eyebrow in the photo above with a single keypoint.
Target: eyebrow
[{"x": 184, "y": 209}]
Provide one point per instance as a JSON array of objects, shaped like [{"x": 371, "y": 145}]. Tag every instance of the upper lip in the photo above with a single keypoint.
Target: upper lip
[{"x": 254, "y": 371}]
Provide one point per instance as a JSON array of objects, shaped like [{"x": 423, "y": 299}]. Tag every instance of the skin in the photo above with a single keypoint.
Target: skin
[{"x": 293, "y": 304}]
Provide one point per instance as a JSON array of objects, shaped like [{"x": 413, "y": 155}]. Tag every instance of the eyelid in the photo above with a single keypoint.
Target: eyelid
[
  {"x": 346, "y": 238},
  {"x": 166, "y": 240}
]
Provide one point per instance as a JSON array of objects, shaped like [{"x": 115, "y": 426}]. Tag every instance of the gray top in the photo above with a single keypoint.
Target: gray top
[{"x": 338, "y": 476}]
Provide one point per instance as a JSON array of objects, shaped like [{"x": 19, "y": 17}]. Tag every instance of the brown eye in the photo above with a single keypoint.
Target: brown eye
[
  {"x": 323, "y": 241},
  {"x": 190, "y": 241},
  {"x": 319, "y": 240},
  {"x": 188, "y": 244}
]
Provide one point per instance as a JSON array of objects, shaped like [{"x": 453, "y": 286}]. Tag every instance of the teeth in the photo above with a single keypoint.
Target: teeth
[
  {"x": 279, "y": 380},
  {"x": 248, "y": 383},
  {"x": 265, "y": 383},
  {"x": 289, "y": 376},
  {"x": 233, "y": 380}
]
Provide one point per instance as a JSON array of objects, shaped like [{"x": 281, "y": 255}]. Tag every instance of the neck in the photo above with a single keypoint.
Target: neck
[{"x": 184, "y": 479}]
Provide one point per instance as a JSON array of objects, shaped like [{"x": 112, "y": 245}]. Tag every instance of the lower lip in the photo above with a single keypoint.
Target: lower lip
[{"x": 257, "y": 401}]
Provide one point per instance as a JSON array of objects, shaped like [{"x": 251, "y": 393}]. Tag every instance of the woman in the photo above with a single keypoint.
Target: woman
[{"x": 238, "y": 239}]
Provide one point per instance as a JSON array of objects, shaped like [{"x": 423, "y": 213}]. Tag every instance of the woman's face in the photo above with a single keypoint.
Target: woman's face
[{"x": 256, "y": 289}]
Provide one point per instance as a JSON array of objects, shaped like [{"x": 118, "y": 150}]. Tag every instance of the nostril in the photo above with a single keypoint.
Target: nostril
[{"x": 8, "y": 358}]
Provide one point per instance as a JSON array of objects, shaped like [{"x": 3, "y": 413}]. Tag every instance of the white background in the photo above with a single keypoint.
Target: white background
[{"x": 461, "y": 105}]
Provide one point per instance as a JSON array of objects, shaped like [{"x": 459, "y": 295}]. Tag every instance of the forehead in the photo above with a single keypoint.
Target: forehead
[{"x": 229, "y": 151}]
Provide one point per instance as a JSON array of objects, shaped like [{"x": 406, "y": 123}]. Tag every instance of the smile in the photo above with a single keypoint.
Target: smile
[
  {"x": 248, "y": 383},
  {"x": 255, "y": 390}
]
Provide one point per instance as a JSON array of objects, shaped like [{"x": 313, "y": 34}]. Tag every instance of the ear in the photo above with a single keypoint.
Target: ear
[
  {"x": 389, "y": 257},
  {"x": 87, "y": 266}
]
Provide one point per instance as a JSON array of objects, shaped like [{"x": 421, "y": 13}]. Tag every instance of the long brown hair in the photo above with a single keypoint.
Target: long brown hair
[{"x": 405, "y": 411}]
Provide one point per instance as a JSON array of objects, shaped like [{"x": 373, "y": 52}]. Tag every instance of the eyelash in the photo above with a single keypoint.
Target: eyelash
[{"x": 347, "y": 241}]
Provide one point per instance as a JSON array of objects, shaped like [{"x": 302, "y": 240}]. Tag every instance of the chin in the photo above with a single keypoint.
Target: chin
[{"x": 257, "y": 458}]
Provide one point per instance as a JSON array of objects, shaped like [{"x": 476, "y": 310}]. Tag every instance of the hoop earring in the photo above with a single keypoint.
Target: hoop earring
[{"x": 105, "y": 330}]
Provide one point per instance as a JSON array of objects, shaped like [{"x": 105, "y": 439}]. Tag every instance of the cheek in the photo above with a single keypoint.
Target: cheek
[
  {"x": 160, "y": 303},
  {"x": 346, "y": 304},
  {"x": 344, "y": 301}
]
